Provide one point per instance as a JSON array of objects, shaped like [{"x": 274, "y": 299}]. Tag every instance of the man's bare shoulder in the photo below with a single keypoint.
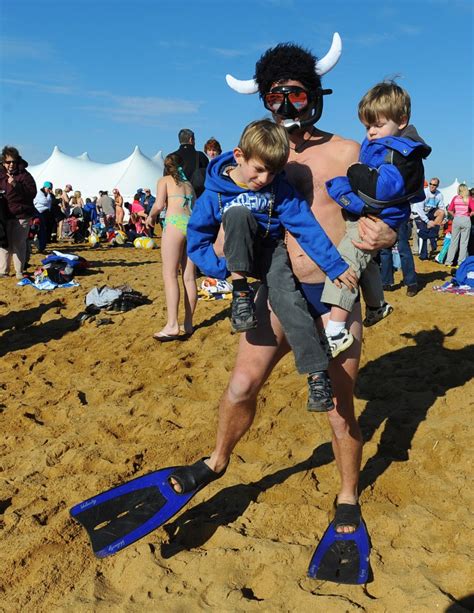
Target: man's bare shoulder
[
  {"x": 331, "y": 155},
  {"x": 346, "y": 148}
]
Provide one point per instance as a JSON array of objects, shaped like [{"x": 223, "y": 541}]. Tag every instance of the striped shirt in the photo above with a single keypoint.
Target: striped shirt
[{"x": 459, "y": 208}]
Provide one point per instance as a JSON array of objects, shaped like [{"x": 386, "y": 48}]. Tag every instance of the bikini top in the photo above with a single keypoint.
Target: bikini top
[{"x": 188, "y": 199}]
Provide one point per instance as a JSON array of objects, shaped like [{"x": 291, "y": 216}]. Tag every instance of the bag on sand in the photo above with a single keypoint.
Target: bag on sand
[{"x": 122, "y": 298}]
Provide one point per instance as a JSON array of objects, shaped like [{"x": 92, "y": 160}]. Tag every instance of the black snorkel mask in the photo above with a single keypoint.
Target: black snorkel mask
[{"x": 291, "y": 101}]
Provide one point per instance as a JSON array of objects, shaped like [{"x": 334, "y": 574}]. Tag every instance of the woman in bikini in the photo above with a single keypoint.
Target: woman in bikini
[
  {"x": 119, "y": 212},
  {"x": 175, "y": 193}
]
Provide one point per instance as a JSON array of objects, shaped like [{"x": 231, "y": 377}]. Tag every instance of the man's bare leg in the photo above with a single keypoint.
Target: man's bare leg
[
  {"x": 346, "y": 435},
  {"x": 258, "y": 352}
]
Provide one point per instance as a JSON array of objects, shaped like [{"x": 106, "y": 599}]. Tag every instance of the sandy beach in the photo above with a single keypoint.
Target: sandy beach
[{"x": 86, "y": 407}]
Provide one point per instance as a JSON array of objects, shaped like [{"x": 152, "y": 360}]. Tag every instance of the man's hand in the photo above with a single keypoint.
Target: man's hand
[
  {"x": 374, "y": 234},
  {"x": 430, "y": 224},
  {"x": 348, "y": 278}
]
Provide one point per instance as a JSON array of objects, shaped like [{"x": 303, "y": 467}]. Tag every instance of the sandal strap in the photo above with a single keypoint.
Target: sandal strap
[
  {"x": 347, "y": 515},
  {"x": 195, "y": 476}
]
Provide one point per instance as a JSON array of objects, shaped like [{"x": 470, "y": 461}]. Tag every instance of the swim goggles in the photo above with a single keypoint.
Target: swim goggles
[{"x": 286, "y": 100}]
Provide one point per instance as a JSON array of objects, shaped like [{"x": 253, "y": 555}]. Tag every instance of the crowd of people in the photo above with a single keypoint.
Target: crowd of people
[
  {"x": 434, "y": 217},
  {"x": 30, "y": 214}
]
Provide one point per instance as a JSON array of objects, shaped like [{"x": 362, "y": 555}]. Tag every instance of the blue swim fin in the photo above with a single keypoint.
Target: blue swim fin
[
  {"x": 342, "y": 558},
  {"x": 122, "y": 515}
]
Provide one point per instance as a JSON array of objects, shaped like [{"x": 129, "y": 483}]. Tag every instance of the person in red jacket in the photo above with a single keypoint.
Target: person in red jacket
[{"x": 18, "y": 189}]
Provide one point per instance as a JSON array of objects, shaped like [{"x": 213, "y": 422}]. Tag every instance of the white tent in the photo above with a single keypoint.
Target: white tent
[
  {"x": 449, "y": 192},
  {"x": 89, "y": 177}
]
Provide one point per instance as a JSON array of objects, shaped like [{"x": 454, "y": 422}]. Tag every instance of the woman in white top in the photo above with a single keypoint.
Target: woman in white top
[{"x": 43, "y": 202}]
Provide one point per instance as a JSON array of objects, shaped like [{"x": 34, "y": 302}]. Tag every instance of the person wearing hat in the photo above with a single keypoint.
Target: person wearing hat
[
  {"x": 148, "y": 201},
  {"x": 141, "y": 193},
  {"x": 43, "y": 203},
  {"x": 17, "y": 190}
]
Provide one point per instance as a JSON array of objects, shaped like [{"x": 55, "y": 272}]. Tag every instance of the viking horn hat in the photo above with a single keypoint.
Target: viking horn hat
[{"x": 324, "y": 65}]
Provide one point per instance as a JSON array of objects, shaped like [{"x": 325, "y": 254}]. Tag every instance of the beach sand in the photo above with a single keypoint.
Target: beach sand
[{"x": 83, "y": 408}]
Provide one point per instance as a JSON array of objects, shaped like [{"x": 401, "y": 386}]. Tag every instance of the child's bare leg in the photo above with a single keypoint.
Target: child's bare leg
[
  {"x": 338, "y": 314},
  {"x": 172, "y": 246},
  {"x": 190, "y": 291}
]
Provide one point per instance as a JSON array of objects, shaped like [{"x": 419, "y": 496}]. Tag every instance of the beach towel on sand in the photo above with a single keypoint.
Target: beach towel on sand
[
  {"x": 465, "y": 273},
  {"x": 46, "y": 283},
  {"x": 462, "y": 282},
  {"x": 215, "y": 289}
]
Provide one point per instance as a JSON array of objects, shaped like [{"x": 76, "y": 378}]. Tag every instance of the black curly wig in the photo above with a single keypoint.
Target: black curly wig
[{"x": 283, "y": 62}]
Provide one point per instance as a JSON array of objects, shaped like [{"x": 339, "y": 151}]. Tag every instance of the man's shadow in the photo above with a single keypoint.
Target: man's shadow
[{"x": 400, "y": 388}]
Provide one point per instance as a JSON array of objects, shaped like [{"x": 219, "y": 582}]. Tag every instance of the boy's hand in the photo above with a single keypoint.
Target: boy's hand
[{"x": 348, "y": 278}]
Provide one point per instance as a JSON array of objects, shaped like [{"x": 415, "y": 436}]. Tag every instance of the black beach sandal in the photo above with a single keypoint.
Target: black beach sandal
[
  {"x": 194, "y": 477},
  {"x": 347, "y": 515}
]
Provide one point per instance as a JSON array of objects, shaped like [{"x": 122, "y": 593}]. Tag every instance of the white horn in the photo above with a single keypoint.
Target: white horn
[
  {"x": 327, "y": 63},
  {"x": 324, "y": 65},
  {"x": 242, "y": 87}
]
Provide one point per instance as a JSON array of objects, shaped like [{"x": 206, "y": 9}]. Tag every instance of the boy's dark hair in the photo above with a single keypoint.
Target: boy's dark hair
[{"x": 287, "y": 61}]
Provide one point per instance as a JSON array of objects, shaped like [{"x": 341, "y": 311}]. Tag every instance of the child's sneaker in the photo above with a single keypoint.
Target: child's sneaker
[
  {"x": 319, "y": 392},
  {"x": 374, "y": 315},
  {"x": 243, "y": 312},
  {"x": 340, "y": 342}
]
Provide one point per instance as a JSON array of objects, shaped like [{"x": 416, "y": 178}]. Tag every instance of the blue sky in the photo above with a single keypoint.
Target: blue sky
[{"x": 105, "y": 75}]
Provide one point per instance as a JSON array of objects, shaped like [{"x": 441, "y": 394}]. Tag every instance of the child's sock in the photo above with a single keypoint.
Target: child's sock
[
  {"x": 334, "y": 328},
  {"x": 240, "y": 285}
]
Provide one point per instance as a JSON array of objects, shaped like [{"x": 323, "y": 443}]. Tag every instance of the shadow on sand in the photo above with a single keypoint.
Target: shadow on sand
[{"x": 400, "y": 388}]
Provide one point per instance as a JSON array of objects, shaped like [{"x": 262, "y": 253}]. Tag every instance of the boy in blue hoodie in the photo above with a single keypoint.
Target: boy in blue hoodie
[
  {"x": 248, "y": 193},
  {"x": 387, "y": 179}
]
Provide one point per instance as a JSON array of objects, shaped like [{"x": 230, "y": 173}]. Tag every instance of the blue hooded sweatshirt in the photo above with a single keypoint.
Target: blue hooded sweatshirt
[
  {"x": 387, "y": 179},
  {"x": 289, "y": 211}
]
